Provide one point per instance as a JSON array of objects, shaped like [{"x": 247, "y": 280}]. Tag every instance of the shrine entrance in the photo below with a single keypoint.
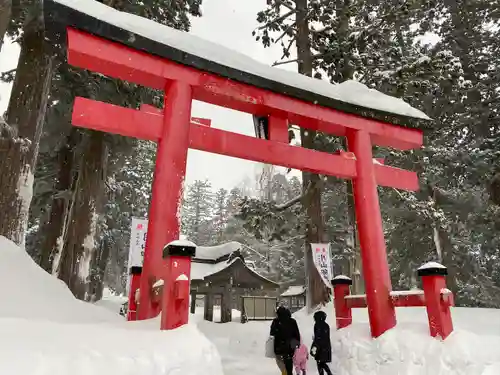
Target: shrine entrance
[{"x": 187, "y": 68}]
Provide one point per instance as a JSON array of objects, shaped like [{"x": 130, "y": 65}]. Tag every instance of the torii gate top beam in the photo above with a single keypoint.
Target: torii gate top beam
[{"x": 234, "y": 83}]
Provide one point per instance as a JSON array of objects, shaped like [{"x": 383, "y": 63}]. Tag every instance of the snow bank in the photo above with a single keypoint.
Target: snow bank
[
  {"x": 111, "y": 301},
  {"x": 44, "y": 330},
  {"x": 472, "y": 349},
  {"x": 31, "y": 293},
  {"x": 30, "y": 348}
]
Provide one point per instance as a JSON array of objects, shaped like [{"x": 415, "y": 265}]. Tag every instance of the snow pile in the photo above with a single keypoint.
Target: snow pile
[
  {"x": 31, "y": 293},
  {"x": 350, "y": 91},
  {"x": 409, "y": 350},
  {"x": 46, "y": 331},
  {"x": 406, "y": 350},
  {"x": 29, "y": 348},
  {"x": 111, "y": 301}
]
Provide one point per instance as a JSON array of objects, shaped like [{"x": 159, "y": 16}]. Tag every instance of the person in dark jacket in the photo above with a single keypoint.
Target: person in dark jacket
[
  {"x": 321, "y": 348},
  {"x": 286, "y": 335}
]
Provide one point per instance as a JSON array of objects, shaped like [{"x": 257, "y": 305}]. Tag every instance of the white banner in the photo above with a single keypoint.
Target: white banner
[
  {"x": 138, "y": 235},
  {"x": 323, "y": 261}
]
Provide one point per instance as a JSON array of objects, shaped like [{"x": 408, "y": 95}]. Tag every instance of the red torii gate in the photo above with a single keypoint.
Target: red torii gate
[{"x": 92, "y": 44}]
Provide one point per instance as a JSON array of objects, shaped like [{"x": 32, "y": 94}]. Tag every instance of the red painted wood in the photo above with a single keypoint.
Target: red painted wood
[
  {"x": 343, "y": 312},
  {"x": 408, "y": 300},
  {"x": 167, "y": 189},
  {"x": 175, "y": 293},
  {"x": 371, "y": 236},
  {"x": 438, "y": 310},
  {"x": 278, "y": 129},
  {"x": 145, "y": 124},
  {"x": 356, "y": 302},
  {"x": 264, "y": 151},
  {"x": 194, "y": 120},
  {"x": 117, "y": 61}
]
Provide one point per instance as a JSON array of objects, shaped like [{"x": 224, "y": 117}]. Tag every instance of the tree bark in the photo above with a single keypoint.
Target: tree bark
[
  {"x": 19, "y": 140},
  {"x": 54, "y": 229},
  {"x": 75, "y": 263},
  {"x": 317, "y": 292}
]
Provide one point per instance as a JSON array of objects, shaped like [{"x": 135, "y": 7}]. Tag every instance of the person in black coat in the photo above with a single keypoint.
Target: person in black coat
[
  {"x": 321, "y": 348},
  {"x": 286, "y": 335}
]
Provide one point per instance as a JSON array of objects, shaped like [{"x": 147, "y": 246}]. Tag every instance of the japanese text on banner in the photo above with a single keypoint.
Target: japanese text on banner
[{"x": 323, "y": 261}]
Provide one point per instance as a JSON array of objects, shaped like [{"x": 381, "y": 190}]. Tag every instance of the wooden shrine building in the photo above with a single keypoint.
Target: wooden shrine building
[
  {"x": 294, "y": 297},
  {"x": 221, "y": 273}
]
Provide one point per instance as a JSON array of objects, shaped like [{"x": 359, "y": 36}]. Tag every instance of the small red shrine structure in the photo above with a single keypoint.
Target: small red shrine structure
[{"x": 187, "y": 68}]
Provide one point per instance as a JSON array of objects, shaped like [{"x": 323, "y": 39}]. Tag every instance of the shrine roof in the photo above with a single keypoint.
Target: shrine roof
[
  {"x": 216, "y": 252},
  {"x": 187, "y": 49},
  {"x": 205, "y": 271}
]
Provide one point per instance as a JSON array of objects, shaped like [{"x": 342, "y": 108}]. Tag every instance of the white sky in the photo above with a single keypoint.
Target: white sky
[{"x": 227, "y": 22}]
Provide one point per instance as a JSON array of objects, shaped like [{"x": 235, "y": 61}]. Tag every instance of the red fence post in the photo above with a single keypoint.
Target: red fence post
[
  {"x": 341, "y": 289},
  {"x": 168, "y": 184},
  {"x": 438, "y": 299},
  {"x": 135, "y": 280},
  {"x": 371, "y": 236},
  {"x": 175, "y": 301}
]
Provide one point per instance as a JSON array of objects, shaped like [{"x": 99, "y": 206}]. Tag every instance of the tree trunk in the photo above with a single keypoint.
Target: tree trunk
[
  {"x": 99, "y": 263},
  {"x": 19, "y": 142},
  {"x": 53, "y": 230},
  {"x": 5, "y": 12},
  {"x": 317, "y": 293},
  {"x": 74, "y": 267}
]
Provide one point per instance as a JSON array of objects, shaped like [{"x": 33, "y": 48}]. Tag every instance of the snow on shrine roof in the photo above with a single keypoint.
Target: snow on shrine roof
[
  {"x": 199, "y": 271},
  {"x": 216, "y": 252},
  {"x": 294, "y": 290},
  {"x": 184, "y": 48}
]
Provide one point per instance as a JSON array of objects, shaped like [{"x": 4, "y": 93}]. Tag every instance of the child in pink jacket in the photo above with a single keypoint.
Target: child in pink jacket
[{"x": 300, "y": 359}]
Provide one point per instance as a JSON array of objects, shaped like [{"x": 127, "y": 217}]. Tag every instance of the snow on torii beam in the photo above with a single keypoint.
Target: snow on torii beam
[
  {"x": 146, "y": 125},
  {"x": 118, "y": 61}
]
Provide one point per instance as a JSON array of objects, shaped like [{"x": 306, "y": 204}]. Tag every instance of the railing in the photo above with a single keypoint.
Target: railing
[{"x": 435, "y": 297}]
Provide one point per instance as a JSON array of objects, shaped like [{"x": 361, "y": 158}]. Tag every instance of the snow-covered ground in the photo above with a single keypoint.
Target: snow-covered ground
[
  {"x": 407, "y": 350},
  {"x": 44, "y": 330}
]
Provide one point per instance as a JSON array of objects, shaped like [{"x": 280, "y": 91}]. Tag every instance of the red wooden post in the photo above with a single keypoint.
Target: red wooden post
[
  {"x": 371, "y": 236},
  {"x": 341, "y": 289},
  {"x": 135, "y": 280},
  {"x": 167, "y": 188},
  {"x": 438, "y": 299},
  {"x": 175, "y": 301}
]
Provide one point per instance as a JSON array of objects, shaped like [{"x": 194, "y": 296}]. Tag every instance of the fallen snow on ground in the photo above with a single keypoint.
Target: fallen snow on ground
[
  {"x": 407, "y": 350},
  {"x": 44, "y": 330},
  {"x": 111, "y": 301},
  {"x": 31, "y": 293}
]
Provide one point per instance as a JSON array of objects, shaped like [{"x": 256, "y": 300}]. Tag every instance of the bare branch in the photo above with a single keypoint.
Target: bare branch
[
  {"x": 276, "y": 20},
  {"x": 286, "y": 32},
  {"x": 317, "y": 56},
  {"x": 297, "y": 199}
]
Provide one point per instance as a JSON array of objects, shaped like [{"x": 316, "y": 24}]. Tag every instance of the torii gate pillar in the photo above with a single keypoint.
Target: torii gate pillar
[
  {"x": 371, "y": 235},
  {"x": 167, "y": 189}
]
